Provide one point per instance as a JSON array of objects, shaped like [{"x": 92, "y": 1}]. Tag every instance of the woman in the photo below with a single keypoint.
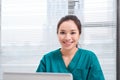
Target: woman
[{"x": 82, "y": 64}]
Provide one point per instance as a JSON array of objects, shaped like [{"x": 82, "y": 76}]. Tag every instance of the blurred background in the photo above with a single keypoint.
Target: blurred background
[{"x": 28, "y": 31}]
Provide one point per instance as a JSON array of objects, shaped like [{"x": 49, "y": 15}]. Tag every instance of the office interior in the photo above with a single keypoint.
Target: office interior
[{"x": 28, "y": 31}]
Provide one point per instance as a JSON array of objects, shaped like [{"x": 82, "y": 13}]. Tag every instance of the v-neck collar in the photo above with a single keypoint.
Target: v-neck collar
[{"x": 73, "y": 62}]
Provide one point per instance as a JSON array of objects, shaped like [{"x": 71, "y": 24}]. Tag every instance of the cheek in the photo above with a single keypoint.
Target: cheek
[
  {"x": 60, "y": 38},
  {"x": 77, "y": 38}
]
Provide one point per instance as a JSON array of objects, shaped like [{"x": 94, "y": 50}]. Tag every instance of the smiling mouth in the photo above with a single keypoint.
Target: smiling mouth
[{"x": 67, "y": 43}]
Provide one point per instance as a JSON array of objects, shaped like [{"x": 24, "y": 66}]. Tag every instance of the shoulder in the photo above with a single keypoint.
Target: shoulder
[
  {"x": 87, "y": 53},
  {"x": 52, "y": 54},
  {"x": 89, "y": 56}
]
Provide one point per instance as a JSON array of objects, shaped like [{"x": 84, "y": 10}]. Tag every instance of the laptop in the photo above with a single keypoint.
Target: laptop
[{"x": 36, "y": 76}]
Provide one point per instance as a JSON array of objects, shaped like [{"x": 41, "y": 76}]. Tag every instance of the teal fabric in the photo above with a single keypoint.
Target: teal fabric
[{"x": 83, "y": 66}]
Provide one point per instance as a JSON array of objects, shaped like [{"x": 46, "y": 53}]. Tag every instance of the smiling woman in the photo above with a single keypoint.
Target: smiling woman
[{"x": 82, "y": 64}]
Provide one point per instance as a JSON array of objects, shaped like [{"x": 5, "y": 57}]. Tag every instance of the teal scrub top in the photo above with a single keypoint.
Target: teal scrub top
[{"x": 83, "y": 66}]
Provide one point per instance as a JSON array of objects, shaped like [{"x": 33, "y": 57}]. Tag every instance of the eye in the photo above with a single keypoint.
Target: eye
[
  {"x": 62, "y": 32},
  {"x": 73, "y": 32}
]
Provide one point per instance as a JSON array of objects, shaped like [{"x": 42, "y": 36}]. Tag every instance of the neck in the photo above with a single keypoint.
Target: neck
[{"x": 69, "y": 52}]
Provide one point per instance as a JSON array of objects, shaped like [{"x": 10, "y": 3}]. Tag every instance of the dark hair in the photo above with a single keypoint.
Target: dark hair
[{"x": 70, "y": 17}]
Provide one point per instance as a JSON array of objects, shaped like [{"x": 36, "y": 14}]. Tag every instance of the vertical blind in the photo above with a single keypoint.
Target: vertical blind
[{"x": 28, "y": 30}]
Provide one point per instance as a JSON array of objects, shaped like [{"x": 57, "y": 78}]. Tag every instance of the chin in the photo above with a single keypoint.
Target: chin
[{"x": 67, "y": 48}]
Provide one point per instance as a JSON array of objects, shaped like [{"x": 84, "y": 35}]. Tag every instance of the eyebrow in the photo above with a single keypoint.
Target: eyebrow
[{"x": 74, "y": 30}]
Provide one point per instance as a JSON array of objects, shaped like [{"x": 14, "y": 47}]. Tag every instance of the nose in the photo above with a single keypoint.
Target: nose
[{"x": 67, "y": 36}]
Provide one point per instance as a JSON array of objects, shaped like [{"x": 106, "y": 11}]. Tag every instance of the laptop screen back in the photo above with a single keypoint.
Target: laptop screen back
[{"x": 37, "y": 76}]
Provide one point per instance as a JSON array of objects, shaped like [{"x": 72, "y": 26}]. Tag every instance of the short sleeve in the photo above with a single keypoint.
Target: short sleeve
[
  {"x": 95, "y": 71},
  {"x": 41, "y": 66}
]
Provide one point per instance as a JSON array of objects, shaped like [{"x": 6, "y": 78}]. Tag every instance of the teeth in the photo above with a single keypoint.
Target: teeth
[{"x": 68, "y": 42}]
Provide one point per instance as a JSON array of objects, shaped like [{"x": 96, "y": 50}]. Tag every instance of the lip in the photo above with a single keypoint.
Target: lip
[{"x": 67, "y": 43}]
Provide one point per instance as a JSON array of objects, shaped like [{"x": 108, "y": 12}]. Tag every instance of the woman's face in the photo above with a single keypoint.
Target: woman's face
[{"x": 68, "y": 35}]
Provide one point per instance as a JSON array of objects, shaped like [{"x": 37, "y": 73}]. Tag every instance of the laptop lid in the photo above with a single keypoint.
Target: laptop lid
[{"x": 37, "y": 76}]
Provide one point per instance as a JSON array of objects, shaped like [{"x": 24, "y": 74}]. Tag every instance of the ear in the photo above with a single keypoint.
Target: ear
[{"x": 79, "y": 36}]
